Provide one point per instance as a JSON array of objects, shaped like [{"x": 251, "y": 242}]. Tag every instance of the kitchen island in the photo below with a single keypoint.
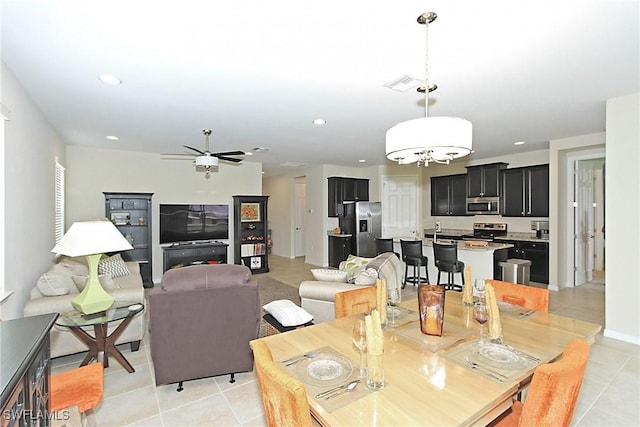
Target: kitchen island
[{"x": 484, "y": 260}]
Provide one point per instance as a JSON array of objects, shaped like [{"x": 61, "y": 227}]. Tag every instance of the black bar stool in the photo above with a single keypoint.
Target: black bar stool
[
  {"x": 446, "y": 259},
  {"x": 412, "y": 255},
  {"x": 384, "y": 245}
]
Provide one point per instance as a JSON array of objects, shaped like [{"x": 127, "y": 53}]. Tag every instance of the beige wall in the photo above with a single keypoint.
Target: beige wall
[
  {"x": 92, "y": 171},
  {"x": 31, "y": 146}
]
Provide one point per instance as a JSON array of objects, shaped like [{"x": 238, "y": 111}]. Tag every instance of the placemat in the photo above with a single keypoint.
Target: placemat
[
  {"x": 497, "y": 362},
  {"x": 515, "y": 311},
  {"x": 344, "y": 398},
  {"x": 404, "y": 316},
  {"x": 452, "y": 333}
]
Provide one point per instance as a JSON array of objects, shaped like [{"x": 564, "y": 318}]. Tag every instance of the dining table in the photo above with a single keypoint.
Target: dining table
[{"x": 449, "y": 380}]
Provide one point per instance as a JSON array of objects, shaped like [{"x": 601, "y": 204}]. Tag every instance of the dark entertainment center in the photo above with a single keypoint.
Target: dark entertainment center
[{"x": 181, "y": 255}]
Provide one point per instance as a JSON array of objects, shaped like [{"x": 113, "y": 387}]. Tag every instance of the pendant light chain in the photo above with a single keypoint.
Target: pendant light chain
[{"x": 426, "y": 69}]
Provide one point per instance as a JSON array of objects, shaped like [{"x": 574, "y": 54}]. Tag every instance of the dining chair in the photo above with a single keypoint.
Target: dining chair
[
  {"x": 412, "y": 256},
  {"x": 525, "y": 296},
  {"x": 355, "y": 301},
  {"x": 283, "y": 396},
  {"x": 445, "y": 257},
  {"x": 384, "y": 245},
  {"x": 82, "y": 387},
  {"x": 554, "y": 390}
]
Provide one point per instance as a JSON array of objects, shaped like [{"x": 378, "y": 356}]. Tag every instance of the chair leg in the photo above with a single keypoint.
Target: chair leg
[
  {"x": 406, "y": 275},
  {"x": 180, "y": 388},
  {"x": 233, "y": 378}
]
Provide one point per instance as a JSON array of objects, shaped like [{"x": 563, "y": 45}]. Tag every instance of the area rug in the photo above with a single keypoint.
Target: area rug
[{"x": 271, "y": 289}]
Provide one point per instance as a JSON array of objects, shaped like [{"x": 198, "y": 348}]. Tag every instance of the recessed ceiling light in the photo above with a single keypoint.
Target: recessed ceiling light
[
  {"x": 112, "y": 138},
  {"x": 110, "y": 79},
  {"x": 519, "y": 143},
  {"x": 319, "y": 122},
  {"x": 362, "y": 161},
  {"x": 248, "y": 153}
]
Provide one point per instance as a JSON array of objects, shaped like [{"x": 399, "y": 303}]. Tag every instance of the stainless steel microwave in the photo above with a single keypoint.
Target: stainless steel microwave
[{"x": 483, "y": 206}]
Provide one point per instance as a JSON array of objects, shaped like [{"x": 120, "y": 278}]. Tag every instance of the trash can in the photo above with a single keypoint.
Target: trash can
[{"x": 516, "y": 271}]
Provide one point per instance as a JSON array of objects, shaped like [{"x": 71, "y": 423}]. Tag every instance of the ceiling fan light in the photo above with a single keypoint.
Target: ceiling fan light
[{"x": 207, "y": 161}]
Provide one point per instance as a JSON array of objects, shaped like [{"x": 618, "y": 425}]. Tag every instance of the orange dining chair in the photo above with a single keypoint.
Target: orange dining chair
[
  {"x": 525, "y": 296},
  {"x": 81, "y": 387},
  {"x": 359, "y": 300},
  {"x": 283, "y": 396},
  {"x": 553, "y": 392}
]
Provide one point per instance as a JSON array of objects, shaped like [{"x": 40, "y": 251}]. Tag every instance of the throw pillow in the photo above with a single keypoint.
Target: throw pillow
[
  {"x": 287, "y": 313},
  {"x": 328, "y": 275},
  {"x": 113, "y": 265},
  {"x": 354, "y": 264},
  {"x": 106, "y": 281},
  {"x": 366, "y": 277},
  {"x": 52, "y": 284}
]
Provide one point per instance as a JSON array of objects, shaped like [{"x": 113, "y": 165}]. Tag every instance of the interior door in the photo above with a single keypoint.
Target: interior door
[
  {"x": 583, "y": 222},
  {"x": 300, "y": 193},
  {"x": 400, "y": 206}
]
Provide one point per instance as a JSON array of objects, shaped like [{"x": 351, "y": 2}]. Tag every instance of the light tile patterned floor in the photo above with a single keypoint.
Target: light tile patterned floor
[{"x": 609, "y": 397}]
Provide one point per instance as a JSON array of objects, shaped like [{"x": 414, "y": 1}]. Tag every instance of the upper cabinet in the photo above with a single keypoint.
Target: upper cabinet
[
  {"x": 484, "y": 180},
  {"x": 448, "y": 195},
  {"x": 343, "y": 189},
  {"x": 525, "y": 191}
]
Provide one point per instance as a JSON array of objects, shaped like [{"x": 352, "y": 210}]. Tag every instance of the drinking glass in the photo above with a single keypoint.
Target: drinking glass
[
  {"x": 481, "y": 315},
  {"x": 393, "y": 301},
  {"x": 478, "y": 290},
  {"x": 359, "y": 337}
]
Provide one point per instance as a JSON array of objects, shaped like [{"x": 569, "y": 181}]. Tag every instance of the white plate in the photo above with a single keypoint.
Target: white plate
[
  {"x": 499, "y": 354},
  {"x": 324, "y": 369}
]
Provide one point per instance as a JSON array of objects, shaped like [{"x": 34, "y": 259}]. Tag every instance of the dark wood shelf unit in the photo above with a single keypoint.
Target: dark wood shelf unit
[
  {"x": 183, "y": 255},
  {"x": 131, "y": 214},
  {"x": 251, "y": 232}
]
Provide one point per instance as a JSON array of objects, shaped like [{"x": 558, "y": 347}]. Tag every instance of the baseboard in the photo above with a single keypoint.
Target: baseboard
[{"x": 622, "y": 337}]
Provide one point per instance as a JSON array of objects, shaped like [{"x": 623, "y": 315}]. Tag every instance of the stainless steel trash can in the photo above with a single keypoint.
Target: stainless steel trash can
[{"x": 516, "y": 271}]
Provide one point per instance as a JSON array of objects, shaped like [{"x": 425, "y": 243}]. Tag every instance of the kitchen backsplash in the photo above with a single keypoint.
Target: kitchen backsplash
[{"x": 514, "y": 225}]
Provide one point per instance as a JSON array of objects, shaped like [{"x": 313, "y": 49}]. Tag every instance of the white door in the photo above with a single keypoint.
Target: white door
[
  {"x": 583, "y": 222},
  {"x": 400, "y": 206},
  {"x": 300, "y": 192}
]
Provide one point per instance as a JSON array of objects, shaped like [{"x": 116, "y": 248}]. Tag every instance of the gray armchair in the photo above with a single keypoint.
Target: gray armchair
[{"x": 201, "y": 321}]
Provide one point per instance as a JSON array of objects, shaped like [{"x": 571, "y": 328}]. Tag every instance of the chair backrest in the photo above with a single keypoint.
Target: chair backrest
[
  {"x": 411, "y": 248},
  {"x": 445, "y": 253},
  {"x": 383, "y": 245},
  {"x": 359, "y": 300},
  {"x": 525, "y": 296},
  {"x": 555, "y": 387},
  {"x": 283, "y": 396}
]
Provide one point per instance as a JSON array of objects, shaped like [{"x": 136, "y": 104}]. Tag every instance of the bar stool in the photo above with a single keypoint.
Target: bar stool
[
  {"x": 412, "y": 256},
  {"x": 446, "y": 259},
  {"x": 384, "y": 245}
]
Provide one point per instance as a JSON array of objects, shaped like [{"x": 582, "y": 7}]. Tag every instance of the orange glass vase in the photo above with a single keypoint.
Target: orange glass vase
[{"x": 431, "y": 307}]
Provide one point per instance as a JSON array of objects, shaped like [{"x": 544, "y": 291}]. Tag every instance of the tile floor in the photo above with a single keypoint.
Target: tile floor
[{"x": 609, "y": 396}]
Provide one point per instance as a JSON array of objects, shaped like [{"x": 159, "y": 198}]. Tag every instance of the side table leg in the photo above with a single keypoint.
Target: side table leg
[
  {"x": 101, "y": 338},
  {"x": 89, "y": 341},
  {"x": 110, "y": 345}
]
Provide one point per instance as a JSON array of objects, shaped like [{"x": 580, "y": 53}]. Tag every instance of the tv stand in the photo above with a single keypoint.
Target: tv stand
[{"x": 193, "y": 253}]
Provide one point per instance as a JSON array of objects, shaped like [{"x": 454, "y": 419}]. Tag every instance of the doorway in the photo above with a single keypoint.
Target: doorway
[
  {"x": 588, "y": 220},
  {"x": 400, "y": 206}
]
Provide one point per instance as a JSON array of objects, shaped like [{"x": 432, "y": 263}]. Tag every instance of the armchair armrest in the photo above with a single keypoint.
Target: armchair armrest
[{"x": 324, "y": 291}]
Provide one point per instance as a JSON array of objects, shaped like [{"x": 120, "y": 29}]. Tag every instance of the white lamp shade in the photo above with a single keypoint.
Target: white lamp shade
[
  {"x": 438, "y": 138},
  {"x": 205, "y": 161},
  {"x": 91, "y": 237}
]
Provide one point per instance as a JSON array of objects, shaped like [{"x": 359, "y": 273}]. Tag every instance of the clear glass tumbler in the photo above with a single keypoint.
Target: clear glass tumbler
[{"x": 375, "y": 371}]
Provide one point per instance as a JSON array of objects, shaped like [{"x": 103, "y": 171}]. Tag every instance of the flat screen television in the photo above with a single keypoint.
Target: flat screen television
[{"x": 193, "y": 222}]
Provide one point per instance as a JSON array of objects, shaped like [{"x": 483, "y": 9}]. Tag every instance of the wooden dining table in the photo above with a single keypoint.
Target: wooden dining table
[{"x": 423, "y": 384}]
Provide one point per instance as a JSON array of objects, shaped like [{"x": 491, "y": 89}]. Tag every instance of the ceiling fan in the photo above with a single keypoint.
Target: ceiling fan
[{"x": 205, "y": 160}]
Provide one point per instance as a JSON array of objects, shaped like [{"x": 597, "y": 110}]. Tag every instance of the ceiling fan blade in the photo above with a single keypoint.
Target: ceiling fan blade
[
  {"x": 177, "y": 154},
  {"x": 194, "y": 149},
  {"x": 229, "y": 153},
  {"x": 228, "y": 159}
]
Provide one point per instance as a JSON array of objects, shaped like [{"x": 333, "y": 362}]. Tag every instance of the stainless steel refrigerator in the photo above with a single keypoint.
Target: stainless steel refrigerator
[{"x": 364, "y": 221}]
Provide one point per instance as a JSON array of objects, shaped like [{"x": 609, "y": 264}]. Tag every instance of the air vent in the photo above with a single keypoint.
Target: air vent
[
  {"x": 403, "y": 84},
  {"x": 292, "y": 164}
]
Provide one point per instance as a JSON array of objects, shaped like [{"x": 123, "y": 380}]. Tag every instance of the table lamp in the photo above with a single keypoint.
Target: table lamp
[{"x": 92, "y": 239}]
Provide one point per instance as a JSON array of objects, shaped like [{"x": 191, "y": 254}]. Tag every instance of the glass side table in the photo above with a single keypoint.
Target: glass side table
[{"x": 102, "y": 344}]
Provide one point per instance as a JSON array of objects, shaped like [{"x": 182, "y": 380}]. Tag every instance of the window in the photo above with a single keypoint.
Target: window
[{"x": 59, "y": 202}]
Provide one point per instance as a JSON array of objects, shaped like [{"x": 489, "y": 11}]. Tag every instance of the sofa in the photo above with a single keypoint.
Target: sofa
[
  {"x": 318, "y": 297},
  {"x": 201, "y": 321},
  {"x": 58, "y": 286}
]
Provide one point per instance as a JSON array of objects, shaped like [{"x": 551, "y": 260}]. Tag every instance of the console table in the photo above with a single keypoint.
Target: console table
[{"x": 194, "y": 253}]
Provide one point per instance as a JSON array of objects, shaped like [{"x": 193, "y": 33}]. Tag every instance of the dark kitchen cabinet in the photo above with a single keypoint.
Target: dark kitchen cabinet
[
  {"x": 339, "y": 249},
  {"x": 525, "y": 191},
  {"x": 484, "y": 180},
  {"x": 448, "y": 195},
  {"x": 536, "y": 252},
  {"x": 342, "y": 189}
]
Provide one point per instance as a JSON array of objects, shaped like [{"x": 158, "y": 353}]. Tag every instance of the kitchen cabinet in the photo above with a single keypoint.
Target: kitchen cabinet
[
  {"x": 343, "y": 189},
  {"x": 251, "y": 232},
  {"x": 536, "y": 252},
  {"x": 339, "y": 249},
  {"x": 448, "y": 195},
  {"x": 525, "y": 191},
  {"x": 484, "y": 180}
]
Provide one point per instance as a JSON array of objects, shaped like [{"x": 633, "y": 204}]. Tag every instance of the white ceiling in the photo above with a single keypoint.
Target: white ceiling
[{"x": 258, "y": 72}]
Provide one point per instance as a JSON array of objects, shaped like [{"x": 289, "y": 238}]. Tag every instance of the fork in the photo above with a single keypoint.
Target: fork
[
  {"x": 523, "y": 354},
  {"x": 496, "y": 375},
  {"x": 296, "y": 359}
]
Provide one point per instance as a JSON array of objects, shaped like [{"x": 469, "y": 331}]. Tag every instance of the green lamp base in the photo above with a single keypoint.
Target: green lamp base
[{"x": 93, "y": 298}]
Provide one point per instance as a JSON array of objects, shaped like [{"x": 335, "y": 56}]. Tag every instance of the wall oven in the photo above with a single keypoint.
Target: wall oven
[{"x": 483, "y": 206}]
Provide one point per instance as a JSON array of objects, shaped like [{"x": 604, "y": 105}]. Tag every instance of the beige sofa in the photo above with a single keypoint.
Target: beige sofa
[
  {"x": 318, "y": 297},
  {"x": 127, "y": 288}
]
